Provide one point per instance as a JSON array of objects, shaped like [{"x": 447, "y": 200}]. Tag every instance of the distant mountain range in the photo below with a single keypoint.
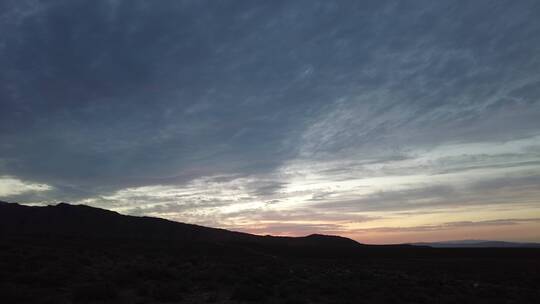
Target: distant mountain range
[{"x": 477, "y": 244}]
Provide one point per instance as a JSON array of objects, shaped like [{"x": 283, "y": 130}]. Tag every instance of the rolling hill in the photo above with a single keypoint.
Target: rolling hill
[
  {"x": 84, "y": 222},
  {"x": 80, "y": 254}
]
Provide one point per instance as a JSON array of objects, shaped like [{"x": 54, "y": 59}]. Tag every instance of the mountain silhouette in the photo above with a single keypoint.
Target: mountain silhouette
[
  {"x": 80, "y": 254},
  {"x": 89, "y": 224},
  {"x": 81, "y": 221}
]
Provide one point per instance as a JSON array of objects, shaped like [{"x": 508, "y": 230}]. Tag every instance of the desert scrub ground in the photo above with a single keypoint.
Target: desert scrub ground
[{"x": 76, "y": 271}]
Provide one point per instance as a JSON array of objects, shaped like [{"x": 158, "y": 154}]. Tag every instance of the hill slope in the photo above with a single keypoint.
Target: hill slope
[
  {"x": 80, "y": 254},
  {"x": 80, "y": 221}
]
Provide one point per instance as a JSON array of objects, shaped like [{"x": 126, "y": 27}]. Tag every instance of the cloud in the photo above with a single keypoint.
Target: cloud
[
  {"x": 266, "y": 188},
  {"x": 196, "y": 110},
  {"x": 11, "y": 187},
  {"x": 522, "y": 190},
  {"x": 451, "y": 225},
  {"x": 298, "y": 215}
]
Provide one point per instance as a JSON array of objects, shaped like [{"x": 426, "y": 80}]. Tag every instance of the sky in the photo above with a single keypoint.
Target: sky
[{"x": 383, "y": 121}]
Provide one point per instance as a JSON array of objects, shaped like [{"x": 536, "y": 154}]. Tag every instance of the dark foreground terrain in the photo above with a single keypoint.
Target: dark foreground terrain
[{"x": 78, "y": 254}]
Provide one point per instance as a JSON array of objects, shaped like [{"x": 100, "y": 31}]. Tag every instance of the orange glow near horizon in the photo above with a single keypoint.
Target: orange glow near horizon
[{"x": 513, "y": 233}]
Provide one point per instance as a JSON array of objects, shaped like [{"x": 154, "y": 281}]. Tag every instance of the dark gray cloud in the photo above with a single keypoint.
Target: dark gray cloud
[
  {"x": 265, "y": 188},
  {"x": 221, "y": 103}
]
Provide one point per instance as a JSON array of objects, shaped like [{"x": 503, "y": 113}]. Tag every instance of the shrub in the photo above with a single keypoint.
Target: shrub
[
  {"x": 95, "y": 292},
  {"x": 250, "y": 293},
  {"x": 167, "y": 292}
]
